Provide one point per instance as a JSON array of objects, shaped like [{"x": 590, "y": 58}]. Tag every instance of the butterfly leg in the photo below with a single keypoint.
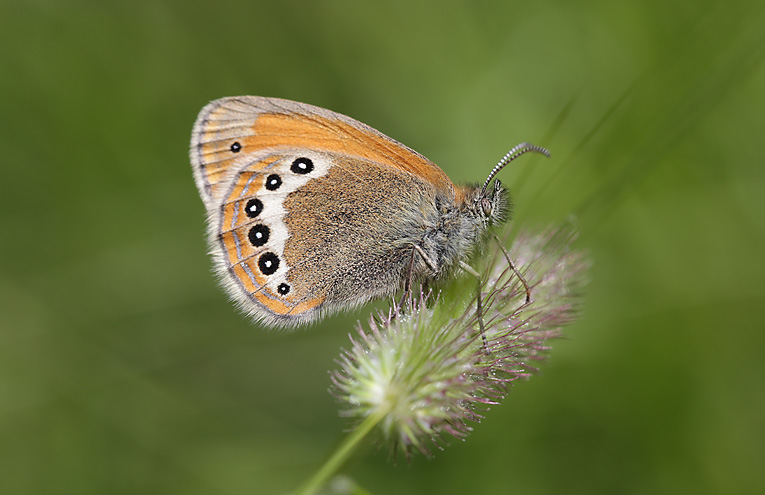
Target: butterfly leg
[
  {"x": 416, "y": 250},
  {"x": 408, "y": 282},
  {"x": 515, "y": 270},
  {"x": 425, "y": 258},
  {"x": 479, "y": 310}
]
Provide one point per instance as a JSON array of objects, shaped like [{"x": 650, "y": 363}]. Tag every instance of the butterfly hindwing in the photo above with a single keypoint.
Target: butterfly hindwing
[{"x": 250, "y": 232}]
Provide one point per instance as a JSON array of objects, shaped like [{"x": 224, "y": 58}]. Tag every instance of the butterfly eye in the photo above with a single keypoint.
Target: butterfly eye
[
  {"x": 302, "y": 166},
  {"x": 486, "y": 207}
]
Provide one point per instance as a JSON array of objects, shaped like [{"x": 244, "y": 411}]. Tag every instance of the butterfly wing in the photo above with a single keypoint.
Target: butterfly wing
[
  {"x": 309, "y": 210},
  {"x": 229, "y": 129}
]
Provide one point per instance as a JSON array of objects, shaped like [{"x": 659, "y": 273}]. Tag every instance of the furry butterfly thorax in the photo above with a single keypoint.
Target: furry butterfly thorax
[{"x": 310, "y": 212}]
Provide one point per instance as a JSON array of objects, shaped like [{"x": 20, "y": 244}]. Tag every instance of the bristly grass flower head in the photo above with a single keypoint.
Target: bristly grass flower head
[{"x": 425, "y": 374}]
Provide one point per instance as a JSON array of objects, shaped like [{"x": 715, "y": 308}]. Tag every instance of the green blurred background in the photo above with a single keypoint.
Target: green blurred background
[{"x": 125, "y": 370}]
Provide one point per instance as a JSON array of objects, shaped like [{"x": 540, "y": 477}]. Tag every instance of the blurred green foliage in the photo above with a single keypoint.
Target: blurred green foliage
[{"x": 124, "y": 369}]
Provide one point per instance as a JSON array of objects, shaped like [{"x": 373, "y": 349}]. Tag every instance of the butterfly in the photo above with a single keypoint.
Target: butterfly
[{"x": 311, "y": 212}]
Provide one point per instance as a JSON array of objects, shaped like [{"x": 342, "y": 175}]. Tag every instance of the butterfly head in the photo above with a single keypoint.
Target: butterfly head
[
  {"x": 492, "y": 204},
  {"x": 486, "y": 206}
]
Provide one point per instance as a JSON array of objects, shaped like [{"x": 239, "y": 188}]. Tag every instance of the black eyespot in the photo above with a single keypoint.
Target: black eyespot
[
  {"x": 258, "y": 235},
  {"x": 236, "y": 147},
  {"x": 253, "y": 207},
  {"x": 273, "y": 182},
  {"x": 283, "y": 289},
  {"x": 268, "y": 263},
  {"x": 302, "y": 166}
]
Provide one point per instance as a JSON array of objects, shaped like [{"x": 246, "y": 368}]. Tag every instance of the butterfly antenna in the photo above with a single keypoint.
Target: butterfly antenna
[{"x": 510, "y": 156}]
